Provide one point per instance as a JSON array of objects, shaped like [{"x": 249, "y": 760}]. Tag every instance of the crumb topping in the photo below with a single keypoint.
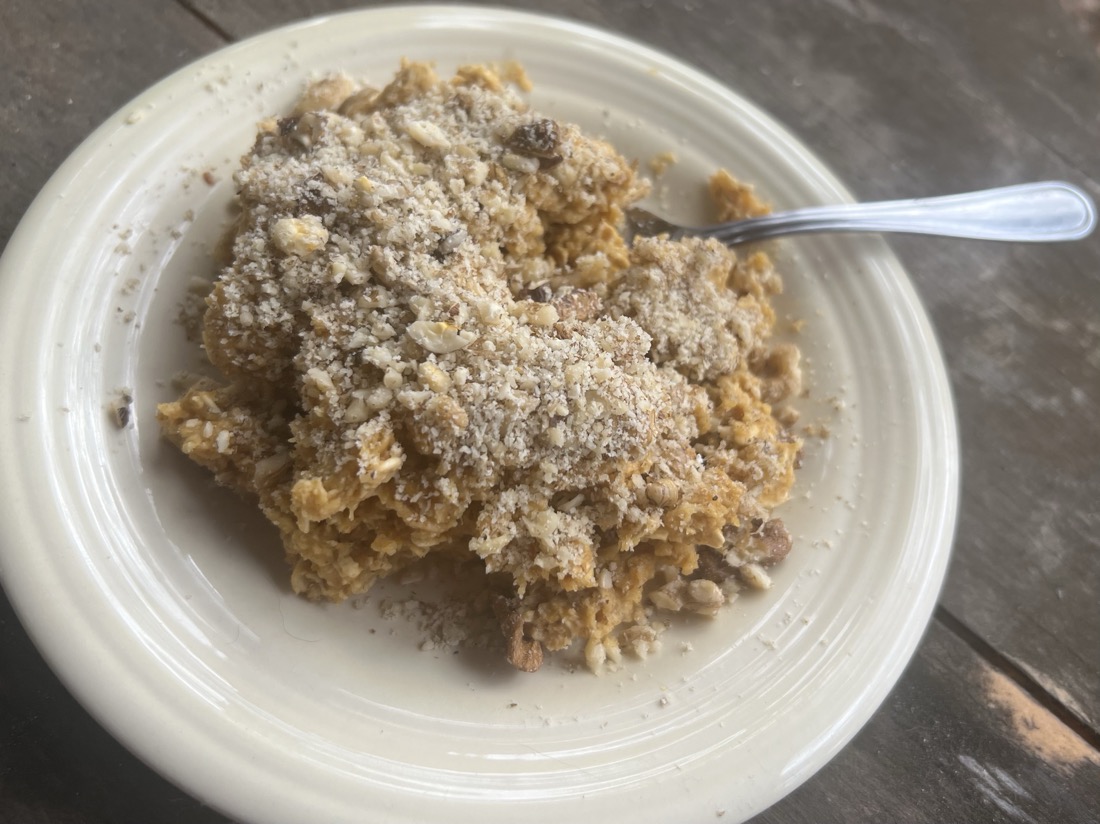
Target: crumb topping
[{"x": 434, "y": 339}]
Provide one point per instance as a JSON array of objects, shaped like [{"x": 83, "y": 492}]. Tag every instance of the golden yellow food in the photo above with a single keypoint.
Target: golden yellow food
[{"x": 436, "y": 342}]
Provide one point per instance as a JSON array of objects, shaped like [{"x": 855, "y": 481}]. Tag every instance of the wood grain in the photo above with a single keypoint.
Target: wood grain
[
  {"x": 66, "y": 67},
  {"x": 956, "y": 741}
]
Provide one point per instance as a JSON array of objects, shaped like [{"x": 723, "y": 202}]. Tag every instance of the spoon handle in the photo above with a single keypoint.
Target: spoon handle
[{"x": 1031, "y": 212}]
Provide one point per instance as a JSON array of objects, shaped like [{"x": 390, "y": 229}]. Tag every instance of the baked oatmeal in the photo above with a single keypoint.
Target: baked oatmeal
[{"x": 436, "y": 342}]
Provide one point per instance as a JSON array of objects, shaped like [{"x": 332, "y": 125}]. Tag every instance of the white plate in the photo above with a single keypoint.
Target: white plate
[{"x": 163, "y": 604}]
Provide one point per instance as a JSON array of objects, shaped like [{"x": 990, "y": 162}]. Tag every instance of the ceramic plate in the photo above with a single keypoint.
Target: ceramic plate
[{"x": 163, "y": 603}]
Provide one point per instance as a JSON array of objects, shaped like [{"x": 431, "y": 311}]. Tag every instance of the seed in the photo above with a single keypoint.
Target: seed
[{"x": 662, "y": 493}]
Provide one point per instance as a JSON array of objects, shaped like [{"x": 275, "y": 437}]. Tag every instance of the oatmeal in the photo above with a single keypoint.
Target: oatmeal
[{"x": 436, "y": 343}]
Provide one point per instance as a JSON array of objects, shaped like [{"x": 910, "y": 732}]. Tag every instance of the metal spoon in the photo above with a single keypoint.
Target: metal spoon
[{"x": 1029, "y": 212}]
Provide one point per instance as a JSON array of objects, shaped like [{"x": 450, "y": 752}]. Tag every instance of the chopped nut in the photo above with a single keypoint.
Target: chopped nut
[
  {"x": 545, "y": 315},
  {"x": 221, "y": 442},
  {"x": 489, "y": 311},
  {"x": 450, "y": 244},
  {"x": 272, "y": 465},
  {"x": 662, "y": 493},
  {"x": 440, "y": 337},
  {"x": 357, "y": 411},
  {"x": 443, "y": 409},
  {"x": 774, "y": 540},
  {"x": 599, "y": 651},
  {"x": 700, "y": 596},
  {"x": 523, "y": 164},
  {"x": 641, "y": 640},
  {"x": 755, "y": 576},
  {"x": 325, "y": 94},
  {"x": 704, "y": 597},
  {"x": 670, "y": 596},
  {"x": 427, "y": 134},
  {"x": 301, "y": 236},
  {"x": 433, "y": 377},
  {"x": 523, "y": 653},
  {"x": 393, "y": 379}
]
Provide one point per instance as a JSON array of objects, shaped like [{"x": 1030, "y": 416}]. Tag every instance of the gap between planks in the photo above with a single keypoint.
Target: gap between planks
[
  {"x": 207, "y": 21},
  {"x": 983, "y": 649}
]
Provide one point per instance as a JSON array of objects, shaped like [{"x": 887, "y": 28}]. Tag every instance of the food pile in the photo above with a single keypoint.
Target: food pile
[{"x": 436, "y": 344}]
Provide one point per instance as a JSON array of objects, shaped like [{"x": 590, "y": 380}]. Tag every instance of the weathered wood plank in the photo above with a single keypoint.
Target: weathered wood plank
[
  {"x": 1025, "y": 364},
  {"x": 956, "y": 741},
  {"x": 66, "y": 67},
  {"x": 879, "y": 68},
  {"x": 1087, "y": 14}
]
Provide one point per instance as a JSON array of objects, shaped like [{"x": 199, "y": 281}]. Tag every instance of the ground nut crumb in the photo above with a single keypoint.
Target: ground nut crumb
[{"x": 436, "y": 344}]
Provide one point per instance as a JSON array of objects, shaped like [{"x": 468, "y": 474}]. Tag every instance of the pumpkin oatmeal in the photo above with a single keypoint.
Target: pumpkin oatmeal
[{"x": 436, "y": 342}]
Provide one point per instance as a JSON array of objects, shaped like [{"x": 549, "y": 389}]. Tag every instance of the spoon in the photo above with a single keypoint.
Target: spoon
[{"x": 1028, "y": 212}]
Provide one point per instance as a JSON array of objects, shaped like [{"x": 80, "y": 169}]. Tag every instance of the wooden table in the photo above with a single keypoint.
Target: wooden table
[{"x": 998, "y": 716}]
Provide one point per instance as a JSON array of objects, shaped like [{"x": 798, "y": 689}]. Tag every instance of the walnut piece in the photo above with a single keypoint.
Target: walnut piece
[
  {"x": 440, "y": 337},
  {"x": 578, "y": 304},
  {"x": 523, "y": 653},
  {"x": 775, "y": 541}
]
